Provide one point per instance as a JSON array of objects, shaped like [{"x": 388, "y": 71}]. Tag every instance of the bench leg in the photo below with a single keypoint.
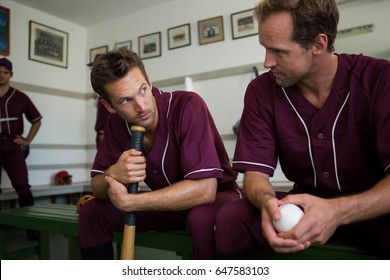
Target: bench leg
[
  {"x": 74, "y": 248},
  {"x": 44, "y": 245},
  {"x": 2, "y": 243}
]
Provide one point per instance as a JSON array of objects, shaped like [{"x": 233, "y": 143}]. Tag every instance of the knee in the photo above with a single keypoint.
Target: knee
[
  {"x": 88, "y": 211},
  {"x": 200, "y": 218},
  {"x": 228, "y": 216}
]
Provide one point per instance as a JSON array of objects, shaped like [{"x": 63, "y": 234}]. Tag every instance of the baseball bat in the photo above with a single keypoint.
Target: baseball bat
[{"x": 137, "y": 136}]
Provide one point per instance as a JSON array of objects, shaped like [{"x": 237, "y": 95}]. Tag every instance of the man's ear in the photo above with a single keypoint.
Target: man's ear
[
  {"x": 320, "y": 44},
  {"x": 108, "y": 106}
]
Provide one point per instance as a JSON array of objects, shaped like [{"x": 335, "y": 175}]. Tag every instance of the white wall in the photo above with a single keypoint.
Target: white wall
[
  {"x": 68, "y": 119},
  {"x": 64, "y": 116},
  {"x": 225, "y": 95}
]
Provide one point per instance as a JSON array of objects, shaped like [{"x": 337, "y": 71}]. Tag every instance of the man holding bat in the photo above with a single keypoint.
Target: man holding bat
[{"x": 182, "y": 160}]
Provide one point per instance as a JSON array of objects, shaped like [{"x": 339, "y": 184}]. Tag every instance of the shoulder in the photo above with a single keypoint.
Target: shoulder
[
  {"x": 19, "y": 95},
  {"x": 262, "y": 88},
  {"x": 178, "y": 97},
  {"x": 360, "y": 64}
]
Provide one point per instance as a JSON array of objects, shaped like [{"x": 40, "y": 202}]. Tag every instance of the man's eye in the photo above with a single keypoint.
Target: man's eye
[{"x": 125, "y": 101}]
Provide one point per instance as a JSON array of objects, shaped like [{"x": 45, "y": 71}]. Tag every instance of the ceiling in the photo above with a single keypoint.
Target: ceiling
[{"x": 91, "y": 12}]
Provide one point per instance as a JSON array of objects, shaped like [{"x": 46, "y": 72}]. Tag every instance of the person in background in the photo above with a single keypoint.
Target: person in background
[
  {"x": 183, "y": 161},
  {"x": 101, "y": 114},
  {"x": 326, "y": 118},
  {"x": 13, "y": 105}
]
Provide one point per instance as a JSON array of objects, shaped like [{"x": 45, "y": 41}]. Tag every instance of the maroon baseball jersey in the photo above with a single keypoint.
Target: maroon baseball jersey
[
  {"x": 343, "y": 147},
  {"x": 12, "y": 107},
  {"x": 101, "y": 116},
  {"x": 187, "y": 144}
]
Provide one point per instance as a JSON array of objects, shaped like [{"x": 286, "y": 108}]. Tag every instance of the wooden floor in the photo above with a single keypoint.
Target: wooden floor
[{"x": 58, "y": 247}]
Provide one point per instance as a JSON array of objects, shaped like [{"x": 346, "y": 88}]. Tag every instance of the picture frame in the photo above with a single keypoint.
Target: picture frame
[
  {"x": 243, "y": 24},
  {"x": 149, "y": 45},
  {"x": 4, "y": 31},
  {"x": 124, "y": 44},
  {"x": 210, "y": 30},
  {"x": 179, "y": 36},
  {"x": 48, "y": 45},
  {"x": 95, "y": 51}
]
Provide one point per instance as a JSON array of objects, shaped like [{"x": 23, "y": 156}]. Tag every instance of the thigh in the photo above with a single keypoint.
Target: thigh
[
  {"x": 162, "y": 220},
  {"x": 205, "y": 214},
  {"x": 238, "y": 226},
  {"x": 372, "y": 235}
]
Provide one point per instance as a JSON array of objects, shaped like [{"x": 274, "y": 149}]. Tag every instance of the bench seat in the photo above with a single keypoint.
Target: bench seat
[
  {"x": 52, "y": 191},
  {"x": 62, "y": 218}
]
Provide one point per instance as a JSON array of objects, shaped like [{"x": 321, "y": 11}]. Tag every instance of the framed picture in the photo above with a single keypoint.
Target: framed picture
[
  {"x": 4, "y": 31},
  {"x": 123, "y": 45},
  {"x": 243, "y": 24},
  {"x": 95, "y": 51},
  {"x": 210, "y": 30},
  {"x": 48, "y": 45},
  {"x": 149, "y": 45},
  {"x": 179, "y": 36}
]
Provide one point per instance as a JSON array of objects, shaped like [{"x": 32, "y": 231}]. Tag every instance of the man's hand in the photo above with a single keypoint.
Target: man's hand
[
  {"x": 118, "y": 194},
  {"x": 316, "y": 226},
  {"x": 130, "y": 167},
  {"x": 21, "y": 141},
  {"x": 269, "y": 212}
]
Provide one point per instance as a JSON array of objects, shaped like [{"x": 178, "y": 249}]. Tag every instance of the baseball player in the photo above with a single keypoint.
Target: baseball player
[
  {"x": 183, "y": 161},
  {"x": 13, "y": 105}
]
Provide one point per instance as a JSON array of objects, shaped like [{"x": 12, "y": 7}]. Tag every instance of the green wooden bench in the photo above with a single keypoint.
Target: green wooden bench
[{"x": 62, "y": 218}]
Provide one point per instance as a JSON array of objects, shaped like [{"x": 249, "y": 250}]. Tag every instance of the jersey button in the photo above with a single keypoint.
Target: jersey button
[
  {"x": 325, "y": 174},
  {"x": 155, "y": 171},
  {"x": 320, "y": 136}
]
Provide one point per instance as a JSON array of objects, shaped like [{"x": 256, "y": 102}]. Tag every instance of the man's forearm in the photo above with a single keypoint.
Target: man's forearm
[
  {"x": 366, "y": 205},
  {"x": 257, "y": 188},
  {"x": 99, "y": 186}
]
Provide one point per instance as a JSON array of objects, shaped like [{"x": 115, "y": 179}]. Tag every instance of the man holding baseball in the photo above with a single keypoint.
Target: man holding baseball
[
  {"x": 325, "y": 118},
  {"x": 183, "y": 161}
]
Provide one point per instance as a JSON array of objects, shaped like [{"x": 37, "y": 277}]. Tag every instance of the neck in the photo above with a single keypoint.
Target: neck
[
  {"x": 316, "y": 88},
  {"x": 150, "y": 134},
  {"x": 4, "y": 89}
]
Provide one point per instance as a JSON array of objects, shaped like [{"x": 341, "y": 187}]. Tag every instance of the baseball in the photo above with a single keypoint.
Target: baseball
[{"x": 290, "y": 216}]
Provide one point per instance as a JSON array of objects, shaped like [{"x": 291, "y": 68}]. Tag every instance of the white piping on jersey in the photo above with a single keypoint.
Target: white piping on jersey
[
  {"x": 334, "y": 144},
  {"x": 239, "y": 193},
  {"x": 387, "y": 167},
  {"x": 253, "y": 163},
  {"x": 167, "y": 143},
  {"x": 163, "y": 159},
  {"x": 97, "y": 171},
  {"x": 128, "y": 128},
  {"x": 6, "y": 111},
  {"x": 308, "y": 137},
  {"x": 203, "y": 170}
]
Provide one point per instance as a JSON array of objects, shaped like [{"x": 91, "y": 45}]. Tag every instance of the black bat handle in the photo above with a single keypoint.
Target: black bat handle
[{"x": 137, "y": 137}]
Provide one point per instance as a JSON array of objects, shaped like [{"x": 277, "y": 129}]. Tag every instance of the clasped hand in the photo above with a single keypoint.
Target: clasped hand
[
  {"x": 130, "y": 168},
  {"x": 316, "y": 226}
]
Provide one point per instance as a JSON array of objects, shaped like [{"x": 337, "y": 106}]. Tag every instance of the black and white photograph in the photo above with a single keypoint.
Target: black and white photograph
[
  {"x": 149, "y": 45},
  {"x": 123, "y": 45},
  {"x": 95, "y": 51},
  {"x": 210, "y": 30},
  {"x": 179, "y": 36},
  {"x": 48, "y": 45},
  {"x": 244, "y": 24}
]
